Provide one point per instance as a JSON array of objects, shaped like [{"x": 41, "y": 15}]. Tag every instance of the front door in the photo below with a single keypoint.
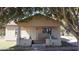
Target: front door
[{"x": 42, "y": 35}]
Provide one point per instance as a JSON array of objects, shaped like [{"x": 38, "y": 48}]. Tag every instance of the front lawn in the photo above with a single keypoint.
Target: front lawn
[{"x": 4, "y": 44}]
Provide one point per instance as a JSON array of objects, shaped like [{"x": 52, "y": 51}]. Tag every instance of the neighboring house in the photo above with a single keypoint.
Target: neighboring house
[
  {"x": 10, "y": 31},
  {"x": 35, "y": 28}
]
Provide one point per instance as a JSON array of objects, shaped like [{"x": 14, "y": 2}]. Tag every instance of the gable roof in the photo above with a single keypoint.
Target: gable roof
[
  {"x": 26, "y": 19},
  {"x": 11, "y": 23},
  {"x": 38, "y": 20}
]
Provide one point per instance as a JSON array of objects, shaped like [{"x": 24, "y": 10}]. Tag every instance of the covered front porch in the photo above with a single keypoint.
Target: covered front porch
[
  {"x": 38, "y": 35},
  {"x": 38, "y": 30}
]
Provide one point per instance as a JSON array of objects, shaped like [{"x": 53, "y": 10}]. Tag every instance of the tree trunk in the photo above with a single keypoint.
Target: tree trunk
[
  {"x": 18, "y": 35},
  {"x": 74, "y": 33}
]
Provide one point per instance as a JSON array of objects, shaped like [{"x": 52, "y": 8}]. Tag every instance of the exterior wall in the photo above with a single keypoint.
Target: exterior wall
[
  {"x": 33, "y": 33},
  {"x": 27, "y": 32},
  {"x": 56, "y": 32},
  {"x": 10, "y": 32},
  {"x": 36, "y": 33},
  {"x": 41, "y": 35}
]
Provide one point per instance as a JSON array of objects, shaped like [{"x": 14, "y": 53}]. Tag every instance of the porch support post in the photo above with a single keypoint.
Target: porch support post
[{"x": 18, "y": 35}]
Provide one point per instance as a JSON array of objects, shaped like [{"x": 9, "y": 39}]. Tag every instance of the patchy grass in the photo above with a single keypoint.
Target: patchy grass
[{"x": 4, "y": 44}]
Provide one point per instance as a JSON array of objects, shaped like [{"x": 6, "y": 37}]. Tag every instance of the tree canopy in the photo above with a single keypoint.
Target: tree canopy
[{"x": 67, "y": 16}]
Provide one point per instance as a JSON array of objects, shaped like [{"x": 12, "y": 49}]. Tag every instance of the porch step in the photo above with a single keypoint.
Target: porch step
[
  {"x": 38, "y": 42},
  {"x": 38, "y": 45}
]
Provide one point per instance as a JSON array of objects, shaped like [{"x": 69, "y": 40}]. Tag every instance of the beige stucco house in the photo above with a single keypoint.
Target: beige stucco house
[
  {"x": 10, "y": 31},
  {"x": 34, "y": 28}
]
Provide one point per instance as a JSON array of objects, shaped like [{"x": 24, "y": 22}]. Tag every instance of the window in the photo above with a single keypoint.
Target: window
[{"x": 47, "y": 30}]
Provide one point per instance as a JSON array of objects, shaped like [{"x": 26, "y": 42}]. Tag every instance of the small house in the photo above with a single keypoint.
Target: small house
[{"x": 38, "y": 28}]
